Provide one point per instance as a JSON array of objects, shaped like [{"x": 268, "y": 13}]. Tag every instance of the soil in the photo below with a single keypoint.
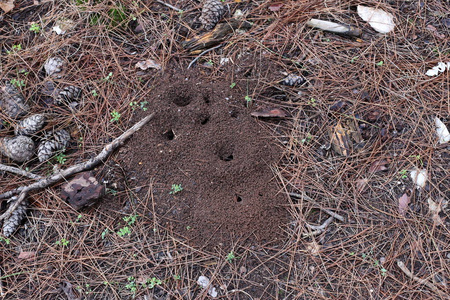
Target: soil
[{"x": 203, "y": 138}]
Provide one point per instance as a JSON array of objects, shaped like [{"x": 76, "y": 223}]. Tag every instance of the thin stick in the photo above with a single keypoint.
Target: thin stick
[
  {"x": 170, "y": 6},
  {"x": 201, "y": 54},
  {"x": 318, "y": 229},
  {"x": 45, "y": 182},
  {"x": 408, "y": 273},
  {"x": 19, "y": 172},
  {"x": 331, "y": 213}
]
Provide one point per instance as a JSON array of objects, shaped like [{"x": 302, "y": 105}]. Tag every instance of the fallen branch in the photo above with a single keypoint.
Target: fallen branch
[
  {"x": 318, "y": 229},
  {"x": 331, "y": 213},
  {"x": 408, "y": 273},
  {"x": 19, "y": 172},
  {"x": 45, "y": 182}
]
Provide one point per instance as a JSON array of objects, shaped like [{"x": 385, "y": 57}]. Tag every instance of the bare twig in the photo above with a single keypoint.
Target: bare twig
[
  {"x": 45, "y": 182},
  {"x": 19, "y": 172},
  {"x": 331, "y": 213},
  {"x": 408, "y": 273},
  {"x": 318, "y": 229},
  {"x": 203, "y": 53},
  {"x": 170, "y": 6}
]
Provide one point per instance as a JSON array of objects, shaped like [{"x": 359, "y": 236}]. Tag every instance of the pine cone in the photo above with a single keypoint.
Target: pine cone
[
  {"x": 54, "y": 66},
  {"x": 293, "y": 80},
  {"x": 212, "y": 12},
  {"x": 30, "y": 125},
  {"x": 68, "y": 94},
  {"x": 12, "y": 101},
  {"x": 19, "y": 148},
  {"x": 10, "y": 225},
  {"x": 51, "y": 143}
]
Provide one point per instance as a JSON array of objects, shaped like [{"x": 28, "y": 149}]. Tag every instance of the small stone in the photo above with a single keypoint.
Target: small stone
[{"x": 83, "y": 190}]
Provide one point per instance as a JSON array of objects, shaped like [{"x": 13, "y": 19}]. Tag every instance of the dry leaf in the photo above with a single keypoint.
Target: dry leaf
[
  {"x": 275, "y": 7},
  {"x": 27, "y": 255},
  {"x": 313, "y": 248},
  {"x": 149, "y": 63},
  {"x": 442, "y": 131},
  {"x": 379, "y": 165},
  {"x": 7, "y": 5},
  {"x": 340, "y": 139},
  {"x": 403, "y": 202},
  {"x": 435, "y": 32},
  {"x": 270, "y": 113},
  {"x": 435, "y": 209},
  {"x": 380, "y": 20},
  {"x": 361, "y": 184},
  {"x": 419, "y": 177}
]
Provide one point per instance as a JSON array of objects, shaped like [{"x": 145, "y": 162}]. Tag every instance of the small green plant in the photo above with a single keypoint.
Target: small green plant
[
  {"x": 248, "y": 100},
  {"x": 312, "y": 102},
  {"x": 380, "y": 63},
  {"x": 18, "y": 83},
  {"x": 176, "y": 188},
  {"x": 94, "y": 93},
  {"x": 108, "y": 77},
  {"x": 232, "y": 85},
  {"x": 111, "y": 191},
  {"x": 35, "y": 28},
  {"x": 124, "y": 231},
  {"x": 418, "y": 158},
  {"x": 210, "y": 63},
  {"x": 62, "y": 242},
  {"x": 104, "y": 233},
  {"x": 307, "y": 139},
  {"x": 130, "y": 219},
  {"x": 188, "y": 227},
  {"x": 131, "y": 285},
  {"x": 61, "y": 158},
  {"x": 142, "y": 105},
  {"x": 176, "y": 277},
  {"x": 151, "y": 283},
  {"x": 115, "y": 116},
  {"x": 14, "y": 48},
  {"x": 354, "y": 59},
  {"x": 403, "y": 174},
  {"x": 231, "y": 256},
  {"x": 5, "y": 240}
]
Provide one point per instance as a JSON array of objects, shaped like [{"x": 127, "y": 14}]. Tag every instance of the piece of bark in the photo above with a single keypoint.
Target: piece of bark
[{"x": 83, "y": 190}]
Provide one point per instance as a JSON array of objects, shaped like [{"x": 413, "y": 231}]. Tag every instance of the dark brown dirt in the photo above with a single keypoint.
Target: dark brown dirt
[{"x": 203, "y": 138}]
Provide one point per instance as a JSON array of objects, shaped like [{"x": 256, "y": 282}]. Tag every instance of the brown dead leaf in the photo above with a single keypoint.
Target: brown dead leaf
[
  {"x": 27, "y": 255},
  {"x": 435, "y": 208},
  {"x": 435, "y": 32},
  {"x": 379, "y": 165},
  {"x": 270, "y": 113},
  {"x": 361, "y": 184},
  {"x": 149, "y": 63},
  {"x": 340, "y": 139},
  {"x": 275, "y": 7},
  {"x": 7, "y": 5},
  {"x": 403, "y": 202}
]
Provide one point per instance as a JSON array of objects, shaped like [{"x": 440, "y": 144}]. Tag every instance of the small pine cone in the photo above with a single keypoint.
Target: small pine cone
[
  {"x": 19, "y": 148},
  {"x": 68, "y": 94},
  {"x": 54, "y": 66},
  {"x": 293, "y": 80},
  {"x": 12, "y": 223},
  {"x": 52, "y": 142},
  {"x": 12, "y": 102},
  {"x": 30, "y": 125},
  {"x": 212, "y": 12}
]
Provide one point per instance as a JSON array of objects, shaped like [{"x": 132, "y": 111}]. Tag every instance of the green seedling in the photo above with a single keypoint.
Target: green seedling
[
  {"x": 104, "y": 233},
  {"x": 232, "y": 85},
  {"x": 380, "y": 63},
  {"x": 115, "y": 116},
  {"x": 94, "y": 93},
  {"x": 62, "y": 242},
  {"x": 403, "y": 174},
  {"x": 124, "y": 231},
  {"x": 307, "y": 139},
  {"x": 17, "y": 83},
  {"x": 14, "y": 48},
  {"x": 231, "y": 256},
  {"x": 61, "y": 158},
  {"x": 176, "y": 188},
  {"x": 312, "y": 102},
  {"x": 418, "y": 158},
  {"x": 108, "y": 77},
  {"x": 248, "y": 100},
  {"x": 354, "y": 59},
  {"x": 151, "y": 283},
  {"x": 131, "y": 285},
  {"x": 35, "y": 28},
  {"x": 5, "y": 240},
  {"x": 111, "y": 191},
  {"x": 130, "y": 219},
  {"x": 176, "y": 277}
]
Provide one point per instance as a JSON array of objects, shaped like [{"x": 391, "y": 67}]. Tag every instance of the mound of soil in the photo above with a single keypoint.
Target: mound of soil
[{"x": 203, "y": 138}]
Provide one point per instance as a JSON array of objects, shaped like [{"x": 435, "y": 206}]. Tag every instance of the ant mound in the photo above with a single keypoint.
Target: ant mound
[{"x": 207, "y": 163}]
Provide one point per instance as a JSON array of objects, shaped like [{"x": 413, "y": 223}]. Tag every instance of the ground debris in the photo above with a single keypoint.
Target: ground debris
[{"x": 83, "y": 190}]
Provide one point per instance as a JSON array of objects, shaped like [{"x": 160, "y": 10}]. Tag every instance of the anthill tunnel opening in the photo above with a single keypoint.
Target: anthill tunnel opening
[
  {"x": 225, "y": 152},
  {"x": 182, "y": 100},
  {"x": 169, "y": 134}
]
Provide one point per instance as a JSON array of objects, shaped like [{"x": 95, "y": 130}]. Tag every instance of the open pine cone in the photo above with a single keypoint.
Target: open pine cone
[
  {"x": 12, "y": 223},
  {"x": 30, "y": 125},
  {"x": 19, "y": 148},
  {"x": 68, "y": 94},
  {"x": 212, "y": 12},
  {"x": 12, "y": 102},
  {"x": 54, "y": 66},
  {"x": 51, "y": 143}
]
